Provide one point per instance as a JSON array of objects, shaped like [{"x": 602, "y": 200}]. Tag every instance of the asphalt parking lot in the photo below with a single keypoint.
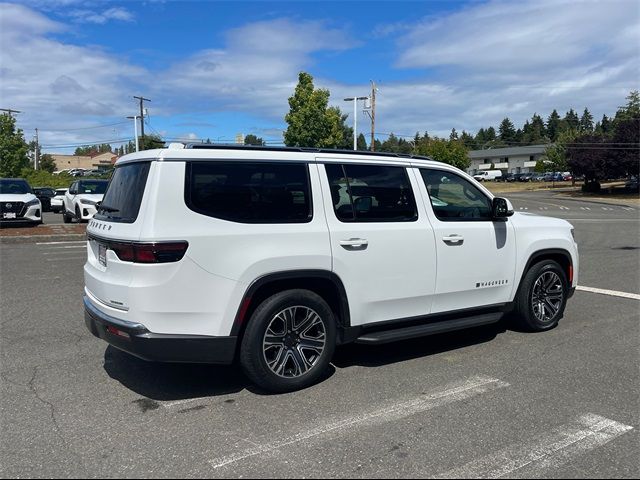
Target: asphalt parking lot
[{"x": 487, "y": 402}]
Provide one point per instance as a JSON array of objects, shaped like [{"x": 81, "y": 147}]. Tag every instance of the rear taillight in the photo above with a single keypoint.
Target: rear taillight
[{"x": 143, "y": 252}]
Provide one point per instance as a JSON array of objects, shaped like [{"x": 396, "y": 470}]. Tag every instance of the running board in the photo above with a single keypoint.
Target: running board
[{"x": 406, "y": 333}]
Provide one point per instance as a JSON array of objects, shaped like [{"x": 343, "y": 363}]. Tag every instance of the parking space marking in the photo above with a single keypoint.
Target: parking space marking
[
  {"x": 450, "y": 394},
  {"x": 60, "y": 243},
  {"x": 548, "y": 450},
  {"x": 68, "y": 246},
  {"x": 612, "y": 293}
]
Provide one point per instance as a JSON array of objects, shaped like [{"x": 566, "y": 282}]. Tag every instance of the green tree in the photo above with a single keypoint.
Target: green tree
[
  {"x": 538, "y": 133},
  {"x": 606, "y": 125},
  {"x": 254, "y": 140},
  {"x": 447, "y": 151},
  {"x": 586, "y": 121},
  {"x": 556, "y": 153},
  {"x": 47, "y": 163},
  {"x": 362, "y": 143},
  {"x": 553, "y": 125},
  {"x": 467, "y": 140},
  {"x": 453, "y": 135},
  {"x": 149, "y": 142},
  {"x": 13, "y": 148},
  {"x": 309, "y": 122},
  {"x": 571, "y": 120},
  {"x": 507, "y": 131}
]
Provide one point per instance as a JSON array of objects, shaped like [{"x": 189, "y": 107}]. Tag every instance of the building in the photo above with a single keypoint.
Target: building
[
  {"x": 87, "y": 162},
  {"x": 509, "y": 160}
]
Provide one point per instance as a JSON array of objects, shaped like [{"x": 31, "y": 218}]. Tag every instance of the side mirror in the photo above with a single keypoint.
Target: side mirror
[{"x": 501, "y": 208}]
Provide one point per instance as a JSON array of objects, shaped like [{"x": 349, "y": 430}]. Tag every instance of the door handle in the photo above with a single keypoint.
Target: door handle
[
  {"x": 453, "y": 240},
  {"x": 354, "y": 244}
]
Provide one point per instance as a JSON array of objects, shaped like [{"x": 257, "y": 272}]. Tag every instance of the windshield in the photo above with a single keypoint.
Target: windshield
[
  {"x": 14, "y": 187},
  {"x": 95, "y": 187}
]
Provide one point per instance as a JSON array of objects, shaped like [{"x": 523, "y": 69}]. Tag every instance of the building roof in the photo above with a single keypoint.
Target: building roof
[{"x": 507, "y": 152}]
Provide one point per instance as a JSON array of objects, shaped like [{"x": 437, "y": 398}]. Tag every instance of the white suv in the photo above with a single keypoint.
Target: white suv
[
  {"x": 18, "y": 204},
  {"x": 81, "y": 199},
  {"x": 275, "y": 256}
]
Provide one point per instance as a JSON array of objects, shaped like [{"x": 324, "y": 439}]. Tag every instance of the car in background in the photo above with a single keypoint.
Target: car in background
[
  {"x": 538, "y": 177},
  {"x": 488, "y": 175},
  {"x": 631, "y": 185},
  {"x": 58, "y": 201},
  {"x": 45, "y": 195},
  {"x": 81, "y": 199},
  {"x": 526, "y": 177},
  {"x": 567, "y": 177},
  {"x": 18, "y": 204}
]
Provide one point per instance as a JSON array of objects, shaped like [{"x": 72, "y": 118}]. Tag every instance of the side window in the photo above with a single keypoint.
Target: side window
[
  {"x": 371, "y": 193},
  {"x": 246, "y": 192},
  {"x": 455, "y": 199}
]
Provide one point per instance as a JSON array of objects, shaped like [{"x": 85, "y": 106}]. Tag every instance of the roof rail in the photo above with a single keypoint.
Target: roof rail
[{"x": 210, "y": 146}]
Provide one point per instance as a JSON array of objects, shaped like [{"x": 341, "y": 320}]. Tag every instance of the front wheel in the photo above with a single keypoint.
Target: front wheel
[
  {"x": 542, "y": 296},
  {"x": 65, "y": 216},
  {"x": 289, "y": 341}
]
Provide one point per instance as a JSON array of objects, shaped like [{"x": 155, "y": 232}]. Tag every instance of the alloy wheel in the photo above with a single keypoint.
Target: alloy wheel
[
  {"x": 294, "y": 341},
  {"x": 547, "y": 296}
]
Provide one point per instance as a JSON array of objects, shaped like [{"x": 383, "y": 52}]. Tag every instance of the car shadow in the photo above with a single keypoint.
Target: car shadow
[
  {"x": 168, "y": 382},
  {"x": 379, "y": 355}
]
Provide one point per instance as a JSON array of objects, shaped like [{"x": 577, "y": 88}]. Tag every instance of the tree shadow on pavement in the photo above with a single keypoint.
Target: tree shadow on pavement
[{"x": 375, "y": 356}]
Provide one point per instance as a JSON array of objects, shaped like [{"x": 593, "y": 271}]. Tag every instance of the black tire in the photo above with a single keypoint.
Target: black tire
[
  {"x": 78, "y": 215},
  {"x": 254, "y": 350},
  {"x": 537, "y": 308},
  {"x": 65, "y": 217}
]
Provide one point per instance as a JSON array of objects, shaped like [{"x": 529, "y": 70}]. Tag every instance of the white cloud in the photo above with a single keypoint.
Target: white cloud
[{"x": 115, "y": 13}]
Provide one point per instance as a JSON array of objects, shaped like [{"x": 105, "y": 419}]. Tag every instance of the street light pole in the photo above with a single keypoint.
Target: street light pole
[
  {"x": 135, "y": 129},
  {"x": 355, "y": 118}
]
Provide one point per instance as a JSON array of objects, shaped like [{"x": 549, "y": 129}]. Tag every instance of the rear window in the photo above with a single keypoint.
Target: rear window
[
  {"x": 94, "y": 187},
  {"x": 246, "y": 192},
  {"x": 121, "y": 202}
]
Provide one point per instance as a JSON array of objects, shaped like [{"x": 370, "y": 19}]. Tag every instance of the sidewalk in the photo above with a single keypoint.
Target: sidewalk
[{"x": 43, "y": 233}]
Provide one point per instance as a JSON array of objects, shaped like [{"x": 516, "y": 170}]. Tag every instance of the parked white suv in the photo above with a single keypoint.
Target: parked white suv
[
  {"x": 275, "y": 256},
  {"x": 18, "y": 204},
  {"x": 81, "y": 199}
]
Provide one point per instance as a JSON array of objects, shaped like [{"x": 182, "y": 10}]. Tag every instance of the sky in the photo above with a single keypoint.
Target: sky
[{"x": 214, "y": 69}]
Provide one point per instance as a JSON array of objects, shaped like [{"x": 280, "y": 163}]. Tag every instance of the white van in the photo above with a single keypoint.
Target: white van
[
  {"x": 488, "y": 175},
  {"x": 273, "y": 256}
]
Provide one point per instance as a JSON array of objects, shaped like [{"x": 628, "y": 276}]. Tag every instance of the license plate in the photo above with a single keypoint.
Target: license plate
[
  {"x": 9, "y": 215},
  {"x": 102, "y": 254}
]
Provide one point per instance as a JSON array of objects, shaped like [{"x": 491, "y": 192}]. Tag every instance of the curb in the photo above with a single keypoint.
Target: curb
[{"x": 68, "y": 237}]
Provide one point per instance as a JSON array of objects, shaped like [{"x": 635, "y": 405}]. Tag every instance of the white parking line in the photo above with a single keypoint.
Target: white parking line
[
  {"x": 612, "y": 293},
  {"x": 180, "y": 402},
  {"x": 84, "y": 245},
  {"x": 549, "y": 450},
  {"x": 60, "y": 243},
  {"x": 452, "y": 393}
]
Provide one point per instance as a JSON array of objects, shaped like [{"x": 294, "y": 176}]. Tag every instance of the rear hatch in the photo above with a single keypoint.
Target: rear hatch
[{"x": 114, "y": 228}]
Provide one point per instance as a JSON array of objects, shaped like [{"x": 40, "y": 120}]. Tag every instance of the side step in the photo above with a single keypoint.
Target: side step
[{"x": 406, "y": 333}]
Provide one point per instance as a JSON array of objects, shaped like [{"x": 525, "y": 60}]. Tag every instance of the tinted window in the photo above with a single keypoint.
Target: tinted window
[
  {"x": 455, "y": 199},
  {"x": 96, "y": 187},
  {"x": 14, "y": 187},
  {"x": 121, "y": 202},
  {"x": 249, "y": 192},
  {"x": 368, "y": 193}
]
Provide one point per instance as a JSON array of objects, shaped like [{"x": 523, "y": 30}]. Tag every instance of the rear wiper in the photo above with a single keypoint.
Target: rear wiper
[{"x": 106, "y": 208}]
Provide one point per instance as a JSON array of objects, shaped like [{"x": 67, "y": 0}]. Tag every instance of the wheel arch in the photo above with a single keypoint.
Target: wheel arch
[
  {"x": 559, "y": 255},
  {"x": 323, "y": 282}
]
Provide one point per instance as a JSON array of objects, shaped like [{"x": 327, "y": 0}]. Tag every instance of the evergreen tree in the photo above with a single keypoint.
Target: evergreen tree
[
  {"x": 47, "y": 163},
  {"x": 607, "y": 126},
  {"x": 468, "y": 140},
  {"x": 362, "y": 143},
  {"x": 538, "y": 132},
  {"x": 571, "y": 120},
  {"x": 490, "y": 134},
  {"x": 453, "y": 135},
  {"x": 507, "y": 131},
  {"x": 253, "y": 140},
  {"x": 553, "y": 125},
  {"x": 586, "y": 122}
]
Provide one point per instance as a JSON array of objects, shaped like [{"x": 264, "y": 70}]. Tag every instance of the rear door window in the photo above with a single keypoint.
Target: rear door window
[
  {"x": 121, "y": 202},
  {"x": 248, "y": 192},
  {"x": 371, "y": 193}
]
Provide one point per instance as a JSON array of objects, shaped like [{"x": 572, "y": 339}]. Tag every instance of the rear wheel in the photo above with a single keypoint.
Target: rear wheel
[
  {"x": 542, "y": 297},
  {"x": 289, "y": 341}
]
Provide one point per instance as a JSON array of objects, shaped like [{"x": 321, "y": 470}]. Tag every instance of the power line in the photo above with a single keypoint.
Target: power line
[
  {"x": 85, "y": 128},
  {"x": 142, "y": 100}
]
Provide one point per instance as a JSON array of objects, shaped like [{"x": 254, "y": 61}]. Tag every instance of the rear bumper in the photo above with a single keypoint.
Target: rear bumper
[{"x": 135, "y": 339}]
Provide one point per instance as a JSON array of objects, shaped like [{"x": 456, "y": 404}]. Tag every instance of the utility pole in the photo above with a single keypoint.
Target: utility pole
[
  {"x": 373, "y": 116},
  {"x": 142, "y": 100},
  {"x": 355, "y": 118},
  {"x": 10, "y": 111},
  {"x": 36, "y": 161}
]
